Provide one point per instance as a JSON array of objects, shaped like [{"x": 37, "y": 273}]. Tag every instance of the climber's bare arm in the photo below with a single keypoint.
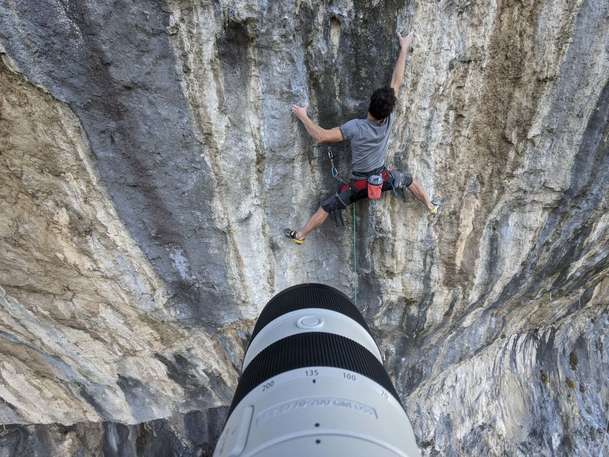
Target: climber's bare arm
[
  {"x": 398, "y": 70},
  {"x": 319, "y": 134}
]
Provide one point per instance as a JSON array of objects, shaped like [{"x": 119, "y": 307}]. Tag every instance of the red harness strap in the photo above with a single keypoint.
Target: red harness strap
[{"x": 362, "y": 184}]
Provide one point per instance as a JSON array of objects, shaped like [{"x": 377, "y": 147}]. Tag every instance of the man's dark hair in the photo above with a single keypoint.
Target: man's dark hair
[{"x": 382, "y": 102}]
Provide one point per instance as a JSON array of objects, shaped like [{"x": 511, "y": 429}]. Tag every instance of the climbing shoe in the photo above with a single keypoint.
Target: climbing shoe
[
  {"x": 291, "y": 234},
  {"x": 436, "y": 202}
]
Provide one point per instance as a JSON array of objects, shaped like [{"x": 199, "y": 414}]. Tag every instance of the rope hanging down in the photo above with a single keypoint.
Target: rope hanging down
[
  {"x": 336, "y": 175},
  {"x": 355, "y": 275}
]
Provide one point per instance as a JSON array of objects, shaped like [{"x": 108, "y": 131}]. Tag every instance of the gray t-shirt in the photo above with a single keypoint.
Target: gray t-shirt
[{"x": 368, "y": 142}]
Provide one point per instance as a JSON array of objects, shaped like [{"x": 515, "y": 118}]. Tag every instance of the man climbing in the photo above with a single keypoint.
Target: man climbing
[{"x": 368, "y": 139}]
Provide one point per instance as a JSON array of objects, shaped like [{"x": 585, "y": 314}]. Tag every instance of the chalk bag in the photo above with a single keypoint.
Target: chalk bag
[{"x": 375, "y": 187}]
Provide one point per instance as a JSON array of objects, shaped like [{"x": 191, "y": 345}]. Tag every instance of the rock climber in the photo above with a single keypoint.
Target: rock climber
[{"x": 368, "y": 138}]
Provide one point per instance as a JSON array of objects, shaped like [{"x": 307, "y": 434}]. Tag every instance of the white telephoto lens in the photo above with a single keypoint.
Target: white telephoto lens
[{"x": 313, "y": 384}]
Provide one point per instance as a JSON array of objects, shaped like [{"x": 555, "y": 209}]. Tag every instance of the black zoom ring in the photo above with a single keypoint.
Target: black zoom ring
[{"x": 310, "y": 350}]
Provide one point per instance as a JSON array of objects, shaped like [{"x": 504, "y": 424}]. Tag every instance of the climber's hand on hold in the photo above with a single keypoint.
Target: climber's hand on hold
[
  {"x": 300, "y": 111},
  {"x": 319, "y": 134},
  {"x": 407, "y": 41},
  {"x": 398, "y": 70}
]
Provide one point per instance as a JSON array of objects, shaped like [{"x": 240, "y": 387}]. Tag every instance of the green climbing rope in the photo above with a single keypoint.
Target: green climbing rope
[
  {"x": 335, "y": 175},
  {"x": 355, "y": 278}
]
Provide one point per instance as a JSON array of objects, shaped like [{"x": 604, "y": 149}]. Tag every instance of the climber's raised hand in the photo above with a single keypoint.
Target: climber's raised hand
[
  {"x": 300, "y": 111},
  {"x": 398, "y": 70},
  {"x": 407, "y": 41}
]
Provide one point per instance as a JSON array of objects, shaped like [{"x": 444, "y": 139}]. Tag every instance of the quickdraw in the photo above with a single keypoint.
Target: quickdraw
[{"x": 338, "y": 215}]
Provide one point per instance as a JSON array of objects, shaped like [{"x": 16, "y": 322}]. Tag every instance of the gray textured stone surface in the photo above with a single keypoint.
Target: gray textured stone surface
[
  {"x": 190, "y": 435},
  {"x": 86, "y": 330},
  {"x": 149, "y": 161}
]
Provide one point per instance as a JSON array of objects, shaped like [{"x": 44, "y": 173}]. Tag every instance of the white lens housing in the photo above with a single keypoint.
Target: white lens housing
[{"x": 313, "y": 384}]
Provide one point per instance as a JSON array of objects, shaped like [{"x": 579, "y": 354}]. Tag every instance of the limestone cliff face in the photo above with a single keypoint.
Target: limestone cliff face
[{"x": 149, "y": 160}]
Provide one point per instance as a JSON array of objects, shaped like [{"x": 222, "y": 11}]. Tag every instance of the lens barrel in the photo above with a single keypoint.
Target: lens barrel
[{"x": 313, "y": 384}]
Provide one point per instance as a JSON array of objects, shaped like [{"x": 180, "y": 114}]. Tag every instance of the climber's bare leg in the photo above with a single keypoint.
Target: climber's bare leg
[
  {"x": 315, "y": 221},
  {"x": 420, "y": 194}
]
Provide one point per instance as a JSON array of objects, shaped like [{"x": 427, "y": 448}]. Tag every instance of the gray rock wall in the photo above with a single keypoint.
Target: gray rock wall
[
  {"x": 149, "y": 161},
  {"x": 189, "y": 435},
  {"x": 85, "y": 330}
]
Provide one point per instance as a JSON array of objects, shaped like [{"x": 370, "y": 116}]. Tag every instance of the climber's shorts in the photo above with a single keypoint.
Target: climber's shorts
[{"x": 357, "y": 189}]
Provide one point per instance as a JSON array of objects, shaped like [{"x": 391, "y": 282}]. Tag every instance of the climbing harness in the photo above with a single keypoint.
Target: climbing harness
[{"x": 373, "y": 185}]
